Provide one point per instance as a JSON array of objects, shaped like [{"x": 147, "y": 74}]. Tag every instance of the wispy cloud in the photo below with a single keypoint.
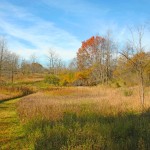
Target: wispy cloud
[
  {"x": 22, "y": 27},
  {"x": 77, "y": 7},
  {"x": 29, "y": 31}
]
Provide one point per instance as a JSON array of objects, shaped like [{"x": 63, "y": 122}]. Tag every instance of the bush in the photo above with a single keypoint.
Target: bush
[
  {"x": 52, "y": 79},
  {"x": 26, "y": 90},
  {"x": 64, "y": 82}
]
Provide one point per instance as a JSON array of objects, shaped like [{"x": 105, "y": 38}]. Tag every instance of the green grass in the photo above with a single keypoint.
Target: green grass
[
  {"x": 90, "y": 131},
  {"x": 11, "y": 132},
  {"x": 38, "y": 85}
]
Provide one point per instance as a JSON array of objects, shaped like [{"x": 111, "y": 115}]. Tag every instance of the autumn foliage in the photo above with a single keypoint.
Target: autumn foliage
[
  {"x": 96, "y": 54},
  {"x": 87, "y": 54}
]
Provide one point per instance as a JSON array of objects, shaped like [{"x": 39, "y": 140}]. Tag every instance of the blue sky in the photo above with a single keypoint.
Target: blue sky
[{"x": 35, "y": 26}]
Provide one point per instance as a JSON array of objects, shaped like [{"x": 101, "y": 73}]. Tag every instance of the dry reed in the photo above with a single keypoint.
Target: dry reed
[{"x": 51, "y": 104}]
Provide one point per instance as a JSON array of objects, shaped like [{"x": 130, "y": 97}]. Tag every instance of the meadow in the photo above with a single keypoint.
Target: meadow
[
  {"x": 85, "y": 118},
  {"x": 35, "y": 115},
  {"x": 63, "y": 90}
]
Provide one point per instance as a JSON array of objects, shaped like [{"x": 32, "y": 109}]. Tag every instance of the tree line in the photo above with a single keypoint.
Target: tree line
[
  {"x": 11, "y": 64},
  {"x": 99, "y": 60}
]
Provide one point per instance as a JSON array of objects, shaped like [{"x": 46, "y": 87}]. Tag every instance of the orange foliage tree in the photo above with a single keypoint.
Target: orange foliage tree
[
  {"x": 89, "y": 59},
  {"x": 96, "y": 54},
  {"x": 89, "y": 52}
]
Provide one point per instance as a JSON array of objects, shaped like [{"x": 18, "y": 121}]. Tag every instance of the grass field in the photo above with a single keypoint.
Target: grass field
[
  {"x": 73, "y": 118},
  {"x": 86, "y": 118}
]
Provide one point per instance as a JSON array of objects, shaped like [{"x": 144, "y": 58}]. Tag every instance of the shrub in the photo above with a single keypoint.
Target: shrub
[
  {"x": 52, "y": 79},
  {"x": 26, "y": 90},
  {"x": 64, "y": 82}
]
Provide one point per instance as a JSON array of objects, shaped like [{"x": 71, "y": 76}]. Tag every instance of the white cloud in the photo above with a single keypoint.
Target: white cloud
[
  {"x": 40, "y": 34},
  {"x": 28, "y": 34}
]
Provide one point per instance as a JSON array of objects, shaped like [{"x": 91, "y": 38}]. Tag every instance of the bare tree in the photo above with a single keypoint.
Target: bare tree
[
  {"x": 2, "y": 53},
  {"x": 73, "y": 65},
  {"x": 33, "y": 60},
  {"x": 135, "y": 55},
  {"x": 25, "y": 67},
  {"x": 110, "y": 51},
  {"x": 53, "y": 61},
  {"x": 13, "y": 65}
]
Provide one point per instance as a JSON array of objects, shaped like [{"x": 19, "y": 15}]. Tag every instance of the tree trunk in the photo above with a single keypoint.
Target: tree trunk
[
  {"x": 12, "y": 77},
  {"x": 141, "y": 88},
  {"x": 0, "y": 71}
]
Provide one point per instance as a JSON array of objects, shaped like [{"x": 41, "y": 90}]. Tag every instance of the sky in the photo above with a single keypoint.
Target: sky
[{"x": 35, "y": 26}]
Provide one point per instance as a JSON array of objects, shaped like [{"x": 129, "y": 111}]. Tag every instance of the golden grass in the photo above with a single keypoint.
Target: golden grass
[
  {"x": 52, "y": 103},
  {"x": 9, "y": 92},
  {"x": 7, "y": 96}
]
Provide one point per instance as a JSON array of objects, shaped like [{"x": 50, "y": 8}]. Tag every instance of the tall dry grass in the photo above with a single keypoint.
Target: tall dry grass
[
  {"x": 86, "y": 118},
  {"x": 9, "y": 92},
  {"x": 52, "y": 103}
]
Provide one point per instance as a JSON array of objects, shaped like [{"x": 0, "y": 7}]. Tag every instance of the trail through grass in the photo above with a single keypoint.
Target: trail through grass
[
  {"x": 11, "y": 131},
  {"x": 75, "y": 118}
]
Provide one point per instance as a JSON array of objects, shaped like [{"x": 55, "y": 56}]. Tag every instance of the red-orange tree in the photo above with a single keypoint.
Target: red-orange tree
[
  {"x": 88, "y": 54},
  {"x": 96, "y": 54},
  {"x": 90, "y": 57}
]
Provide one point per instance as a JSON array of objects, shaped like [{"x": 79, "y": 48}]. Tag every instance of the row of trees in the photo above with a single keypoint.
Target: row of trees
[
  {"x": 11, "y": 65},
  {"x": 98, "y": 61}
]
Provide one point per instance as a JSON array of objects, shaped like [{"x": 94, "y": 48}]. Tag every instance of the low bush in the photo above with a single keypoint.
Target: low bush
[{"x": 52, "y": 79}]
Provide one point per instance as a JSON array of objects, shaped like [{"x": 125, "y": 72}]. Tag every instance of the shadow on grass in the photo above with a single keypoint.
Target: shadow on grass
[
  {"x": 91, "y": 131},
  {"x": 3, "y": 107}
]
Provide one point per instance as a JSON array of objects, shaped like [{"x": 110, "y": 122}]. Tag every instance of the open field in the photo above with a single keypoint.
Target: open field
[
  {"x": 53, "y": 102},
  {"x": 62, "y": 87},
  {"x": 74, "y": 118},
  {"x": 85, "y": 118}
]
